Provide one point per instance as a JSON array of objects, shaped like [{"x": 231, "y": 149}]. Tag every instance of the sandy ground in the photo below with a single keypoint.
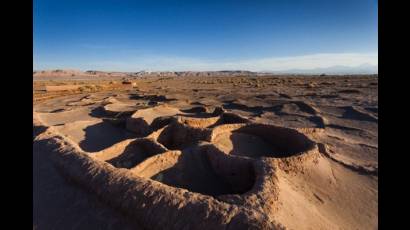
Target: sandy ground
[{"x": 337, "y": 191}]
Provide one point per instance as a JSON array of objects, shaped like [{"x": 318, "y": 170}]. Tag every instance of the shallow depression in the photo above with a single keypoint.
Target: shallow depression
[
  {"x": 136, "y": 152},
  {"x": 257, "y": 140},
  {"x": 244, "y": 144},
  {"x": 197, "y": 171}
]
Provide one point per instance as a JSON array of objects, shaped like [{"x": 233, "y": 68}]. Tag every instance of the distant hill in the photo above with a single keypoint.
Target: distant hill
[
  {"x": 76, "y": 73},
  {"x": 94, "y": 73},
  {"x": 334, "y": 70},
  {"x": 60, "y": 73},
  {"x": 339, "y": 70}
]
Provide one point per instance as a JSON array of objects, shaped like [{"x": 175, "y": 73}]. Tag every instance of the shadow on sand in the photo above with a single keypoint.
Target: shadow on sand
[{"x": 103, "y": 135}]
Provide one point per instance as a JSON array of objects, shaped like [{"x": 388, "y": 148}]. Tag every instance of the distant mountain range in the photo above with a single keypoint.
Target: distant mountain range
[
  {"x": 334, "y": 70},
  {"x": 339, "y": 70},
  {"x": 60, "y": 73}
]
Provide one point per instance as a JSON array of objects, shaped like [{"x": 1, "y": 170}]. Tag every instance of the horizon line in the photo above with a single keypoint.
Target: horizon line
[{"x": 177, "y": 63}]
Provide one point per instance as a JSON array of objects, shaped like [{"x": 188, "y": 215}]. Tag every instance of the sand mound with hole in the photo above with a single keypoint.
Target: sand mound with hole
[
  {"x": 186, "y": 159},
  {"x": 152, "y": 204},
  {"x": 205, "y": 157},
  {"x": 141, "y": 120}
]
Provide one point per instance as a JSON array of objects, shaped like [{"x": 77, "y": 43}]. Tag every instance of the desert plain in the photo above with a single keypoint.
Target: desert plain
[{"x": 221, "y": 150}]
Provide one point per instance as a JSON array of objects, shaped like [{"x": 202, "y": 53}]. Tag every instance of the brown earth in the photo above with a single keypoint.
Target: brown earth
[{"x": 195, "y": 152}]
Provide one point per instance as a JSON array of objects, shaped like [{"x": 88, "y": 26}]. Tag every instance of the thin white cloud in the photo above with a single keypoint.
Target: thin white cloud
[
  {"x": 168, "y": 63},
  {"x": 309, "y": 61}
]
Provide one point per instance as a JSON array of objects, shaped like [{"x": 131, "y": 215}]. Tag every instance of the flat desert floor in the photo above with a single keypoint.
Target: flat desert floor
[{"x": 268, "y": 152}]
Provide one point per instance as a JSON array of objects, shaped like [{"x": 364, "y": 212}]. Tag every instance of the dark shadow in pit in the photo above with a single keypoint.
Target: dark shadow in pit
[
  {"x": 177, "y": 136},
  {"x": 115, "y": 119},
  {"x": 229, "y": 118},
  {"x": 251, "y": 146},
  {"x": 270, "y": 141},
  {"x": 198, "y": 121},
  {"x": 135, "y": 153},
  {"x": 197, "y": 109},
  {"x": 318, "y": 121},
  {"x": 151, "y": 98},
  {"x": 373, "y": 109},
  {"x": 103, "y": 135},
  {"x": 98, "y": 112},
  {"x": 38, "y": 129},
  {"x": 201, "y": 112},
  {"x": 195, "y": 172}
]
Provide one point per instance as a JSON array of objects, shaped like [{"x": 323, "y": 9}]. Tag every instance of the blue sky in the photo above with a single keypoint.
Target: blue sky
[{"x": 256, "y": 35}]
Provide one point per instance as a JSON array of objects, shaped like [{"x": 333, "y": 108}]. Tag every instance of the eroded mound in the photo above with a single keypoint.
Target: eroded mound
[
  {"x": 212, "y": 121},
  {"x": 119, "y": 108},
  {"x": 146, "y": 200},
  {"x": 140, "y": 122}
]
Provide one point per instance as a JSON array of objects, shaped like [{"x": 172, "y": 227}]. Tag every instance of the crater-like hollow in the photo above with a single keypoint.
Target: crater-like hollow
[
  {"x": 177, "y": 136},
  {"x": 136, "y": 152},
  {"x": 212, "y": 121},
  {"x": 257, "y": 140},
  {"x": 203, "y": 170}
]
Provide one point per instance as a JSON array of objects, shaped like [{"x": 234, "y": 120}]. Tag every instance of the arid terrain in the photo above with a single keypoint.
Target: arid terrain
[{"x": 205, "y": 151}]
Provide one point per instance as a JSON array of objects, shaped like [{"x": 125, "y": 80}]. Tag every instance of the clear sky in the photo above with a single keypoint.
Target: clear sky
[{"x": 258, "y": 35}]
